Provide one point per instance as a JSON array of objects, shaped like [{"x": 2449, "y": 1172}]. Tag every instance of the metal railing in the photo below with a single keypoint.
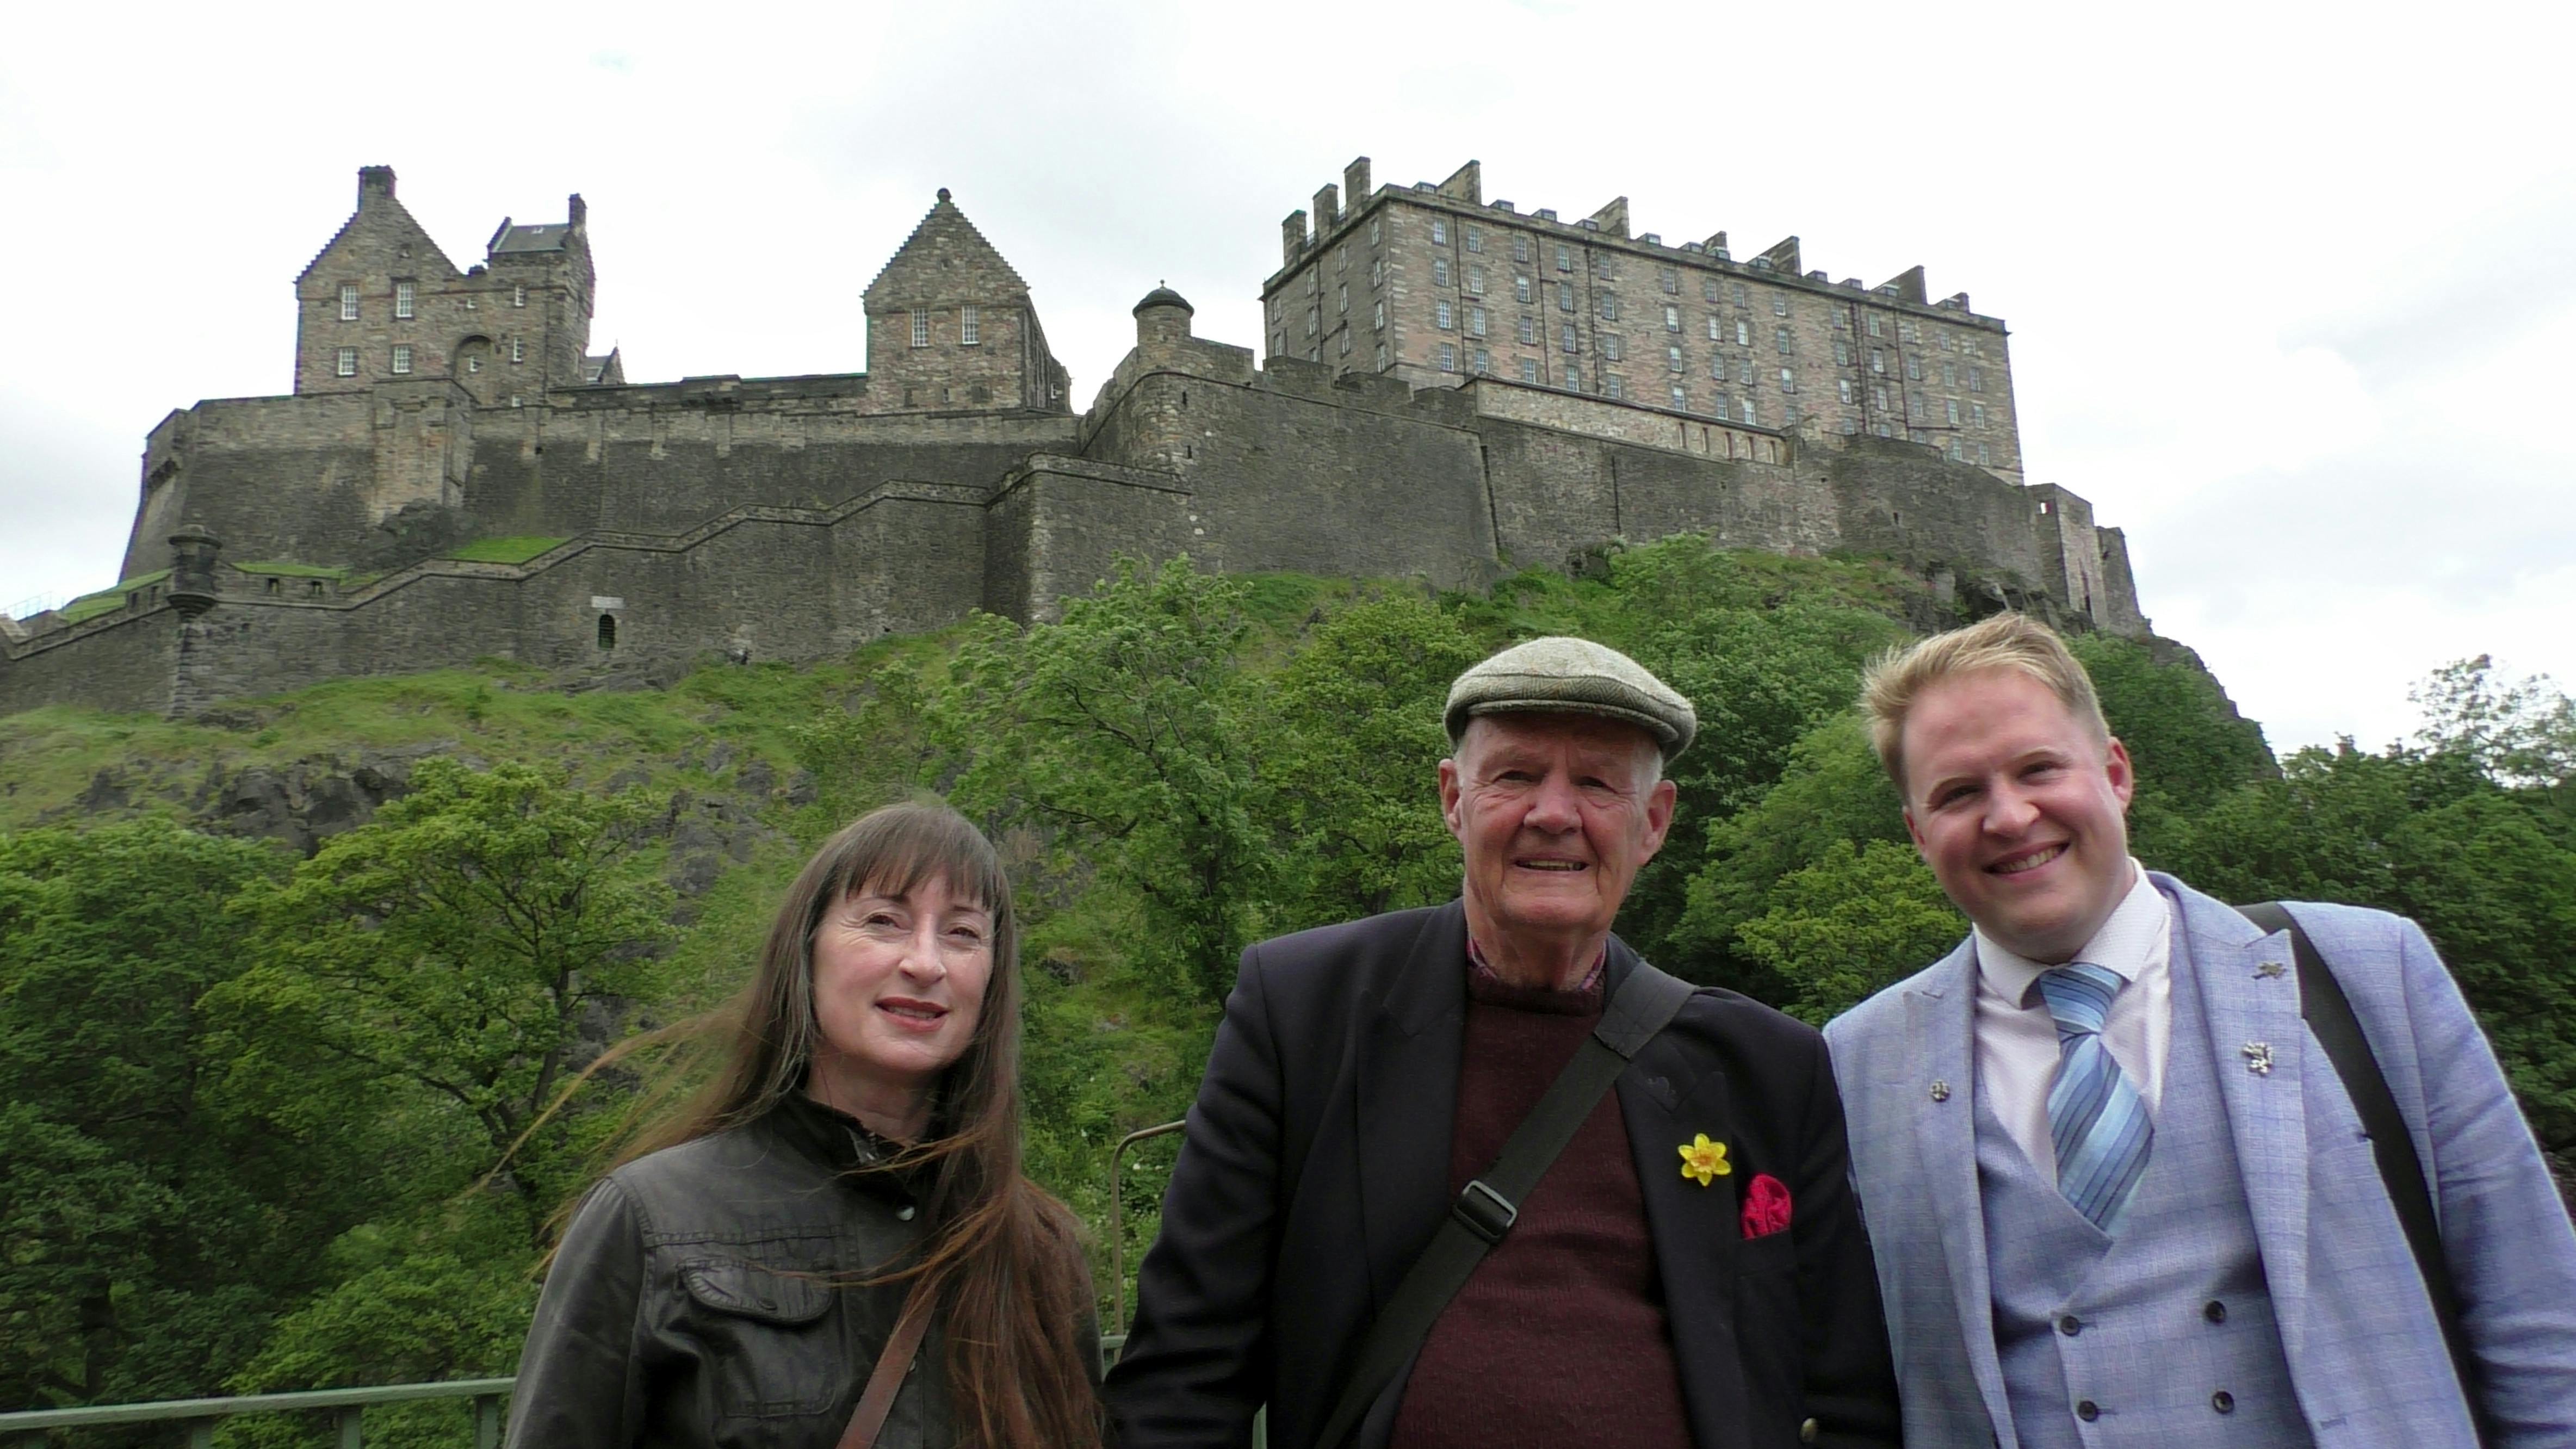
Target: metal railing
[{"x": 27, "y": 1429}]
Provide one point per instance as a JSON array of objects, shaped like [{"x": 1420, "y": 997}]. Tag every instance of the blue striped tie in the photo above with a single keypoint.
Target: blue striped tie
[{"x": 2095, "y": 1117}]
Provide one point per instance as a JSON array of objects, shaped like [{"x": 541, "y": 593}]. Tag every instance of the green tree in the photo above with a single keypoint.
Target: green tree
[
  {"x": 2517, "y": 733},
  {"x": 1860, "y": 918},
  {"x": 1355, "y": 747},
  {"x": 149, "y": 1230},
  {"x": 465, "y": 951},
  {"x": 1123, "y": 731}
]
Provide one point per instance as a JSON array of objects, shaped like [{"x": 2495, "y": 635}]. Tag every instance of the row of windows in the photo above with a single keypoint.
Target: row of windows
[
  {"x": 970, "y": 327},
  {"x": 345, "y": 364},
  {"x": 407, "y": 300}
]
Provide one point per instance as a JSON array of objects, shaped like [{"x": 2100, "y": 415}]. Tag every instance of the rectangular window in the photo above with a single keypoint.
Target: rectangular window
[
  {"x": 1377, "y": 314},
  {"x": 1708, "y": 289},
  {"x": 1381, "y": 357},
  {"x": 1780, "y": 335},
  {"x": 1681, "y": 398},
  {"x": 1564, "y": 257},
  {"x": 1484, "y": 362},
  {"x": 921, "y": 329},
  {"x": 1672, "y": 319},
  {"x": 1943, "y": 338},
  {"x": 1475, "y": 241},
  {"x": 1788, "y": 380},
  {"x": 1970, "y": 346},
  {"x": 1743, "y": 332},
  {"x": 1751, "y": 416},
  {"x": 1613, "y": 385},
  {"x": 348, "y": 303},
  {"x": 1721, "y": 407},
  {"x": 1520, "y": 248},
  {"x": 1712, "y": 328},
  {"x": 1878, "y": 361},
  {"x": 1949, "y": 374},
  {"x": 1528, "y": 329},
  {"x": 518, "y": 349},
  {"x": 1672, "y": 359},
  {"x": 405, "y": 293},
  {"x": 1913, "y": 368},
  {"x": 1873, "y": 325},
  {"x": 1476, "y": 280},
  {"x": 1779, "y": 304},
  {"x": 1520, "y": 289},
  {"x": 519, "y": 296},
  {"x": 1377, "y": 271},
  {"x": 1573, "y": 378},
  {"x": 1976, "y": 379},
  {"x": 1341, "y": 260},
  {"x": 1567, "y": 341},
  {"x": 1448, "y": 357},
  {"x": 1609, "y": 307},
  {"x": 1739, "y": 296},
  {"x": 348, "y": 362},
  {"x": 402, "y": 358},
  {"x": 1601, "y": 266},
  {"x": 970, "y": 327},
  {"x": 1610, "y": 346},
  {"x": 1744, "y": 371},
  {"x": 1314, "y": 320},
  {"x": 1953, "y": 405},
  {"x": 1843, "y": 385},
  {"x": 1529, "y": 369},
  {"x": 1976, "y": 415},
  {"x": 1878, "y": 395},
  {"x": 1342, "y": 300},
  {"x": 1440, "y": 271},
  {"x": 1672, "y": 280},
  {"x": 1373, "y": 242},
  {"x": 1985, "y": 457},
  {"x": 1476, "y": 321},
  {"x": 1565, "y": 296},
  {"x": 1842, "y": 320},
  {"x": 1446, "y": 319},
  {"x": 1842, "y": 353},
  {"x": 1345, "y": 344},
  {"x": 1917, "y": 409},
  {"x": 1717, "y": 368},
  {"x": 1906, "y": 331},
  {"x": 1440, "y": 231}
]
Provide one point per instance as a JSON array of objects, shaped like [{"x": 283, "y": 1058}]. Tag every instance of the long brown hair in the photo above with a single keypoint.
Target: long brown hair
[{"x": 1003, "y": 1259}]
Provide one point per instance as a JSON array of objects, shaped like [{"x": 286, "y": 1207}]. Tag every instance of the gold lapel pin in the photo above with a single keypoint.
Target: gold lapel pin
[
  {"x": 2258, "y": 1058},
  {"x": 2269, "y": 969},
  {"x": 1940, "y": 1091}
]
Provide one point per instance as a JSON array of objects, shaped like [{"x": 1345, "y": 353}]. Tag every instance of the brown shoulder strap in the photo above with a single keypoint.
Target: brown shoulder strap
[{"x": 878, "y": 1398}]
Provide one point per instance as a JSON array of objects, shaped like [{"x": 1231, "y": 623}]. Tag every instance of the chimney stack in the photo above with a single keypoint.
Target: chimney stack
[
  {"x": 375, "y": 181},
  {"x": 1355, "y": 181}
]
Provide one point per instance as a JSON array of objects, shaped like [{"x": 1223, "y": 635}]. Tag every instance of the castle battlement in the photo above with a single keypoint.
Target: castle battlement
[{"x": 609, "y": 527}]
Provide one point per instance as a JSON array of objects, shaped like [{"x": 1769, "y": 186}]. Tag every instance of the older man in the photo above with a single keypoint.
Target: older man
[
  {"x": 2119, "y": 1194},
  {"x": 1344, "y": 1238}
]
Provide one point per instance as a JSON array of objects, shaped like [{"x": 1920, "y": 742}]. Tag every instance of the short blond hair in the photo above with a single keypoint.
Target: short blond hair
[{"x": 2012, "y": 641}]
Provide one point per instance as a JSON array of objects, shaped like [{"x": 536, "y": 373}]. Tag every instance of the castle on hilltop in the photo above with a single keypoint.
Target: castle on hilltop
[{"x": 1448, "y": 389}]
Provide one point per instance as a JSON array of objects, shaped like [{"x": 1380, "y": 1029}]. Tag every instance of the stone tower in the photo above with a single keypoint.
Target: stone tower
[{"x": 950, "y": 326}]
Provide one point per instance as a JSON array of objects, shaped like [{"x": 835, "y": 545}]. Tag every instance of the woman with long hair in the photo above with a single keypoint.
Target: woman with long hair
[{"x": 837, "y": 1229}]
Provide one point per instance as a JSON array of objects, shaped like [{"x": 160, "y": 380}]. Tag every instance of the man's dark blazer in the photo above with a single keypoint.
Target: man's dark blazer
[{"x": 1316, "y": 1166}]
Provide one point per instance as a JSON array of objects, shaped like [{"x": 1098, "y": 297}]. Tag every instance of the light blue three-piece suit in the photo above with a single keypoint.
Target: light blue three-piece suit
[{"x": 2361, "y": 1360}]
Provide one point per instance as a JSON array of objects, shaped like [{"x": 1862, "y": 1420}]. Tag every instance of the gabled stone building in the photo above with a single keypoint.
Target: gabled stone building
[{"x": 454, "y": 476}]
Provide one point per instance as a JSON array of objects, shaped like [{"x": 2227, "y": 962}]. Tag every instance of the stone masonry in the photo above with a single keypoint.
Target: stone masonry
[{"x": 284, "y": 541}]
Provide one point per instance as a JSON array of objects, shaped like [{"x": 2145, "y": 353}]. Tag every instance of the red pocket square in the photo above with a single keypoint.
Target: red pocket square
[{"x": 1766, "y": 1206}]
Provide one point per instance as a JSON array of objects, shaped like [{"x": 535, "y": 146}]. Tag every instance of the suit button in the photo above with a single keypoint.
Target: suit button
[
  {"x": 1807, "y": 1432},
  {"x": 2087, "y": 1410},
  {"x": 904, "y": 1213},
  {"x": 2216, "y": 1312},
  {"x": 2223, "y": 1401},
  {"x": 2070, "y": 1325}
]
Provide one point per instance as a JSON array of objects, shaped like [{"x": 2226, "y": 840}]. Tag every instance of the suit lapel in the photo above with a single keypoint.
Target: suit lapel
[
  {"x": 2249, "y": 1013},
  {"x": 1940, "y": 1024},
  {"x": 1667, "y": 1095},
  {"x": 1406, "y": 1101}
]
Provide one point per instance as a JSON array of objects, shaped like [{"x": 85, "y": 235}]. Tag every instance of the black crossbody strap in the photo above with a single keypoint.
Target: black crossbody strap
[
  {"x": 2328, "y": 1013},
  {"x": 1488, "y": 1206}
]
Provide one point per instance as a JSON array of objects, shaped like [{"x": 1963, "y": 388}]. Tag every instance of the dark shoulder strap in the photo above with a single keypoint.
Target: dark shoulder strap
[
  {"x": 1488, "y": 1206},
  {"x": 2329, "y": 1015},
  {"x": 877, "y": 1399}
]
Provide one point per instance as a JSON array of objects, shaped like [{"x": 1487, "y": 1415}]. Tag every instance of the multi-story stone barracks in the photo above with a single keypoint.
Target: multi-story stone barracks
[{"x": 1449, "y": 389}]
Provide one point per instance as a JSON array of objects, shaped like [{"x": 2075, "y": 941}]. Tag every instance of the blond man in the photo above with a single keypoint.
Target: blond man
[{"x": 2117, "y": 1193}]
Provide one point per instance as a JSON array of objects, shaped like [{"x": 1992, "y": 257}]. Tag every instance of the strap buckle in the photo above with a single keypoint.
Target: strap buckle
[{"x": 1486, "y": 1213}]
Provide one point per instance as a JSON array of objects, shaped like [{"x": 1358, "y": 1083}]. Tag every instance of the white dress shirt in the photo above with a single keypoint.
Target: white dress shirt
[{"x": 2017, "y": 1051}]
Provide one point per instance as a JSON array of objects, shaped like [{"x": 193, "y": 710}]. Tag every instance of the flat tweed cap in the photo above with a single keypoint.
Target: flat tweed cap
[{"x": 1561, "y": 675}]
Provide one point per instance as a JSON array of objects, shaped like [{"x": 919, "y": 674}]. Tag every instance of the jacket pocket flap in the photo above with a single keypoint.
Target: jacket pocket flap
[{"x": 752, "y": 1291}]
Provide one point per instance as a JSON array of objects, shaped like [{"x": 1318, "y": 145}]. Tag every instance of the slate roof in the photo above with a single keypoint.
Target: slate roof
[{"x": 549, "y": 238}]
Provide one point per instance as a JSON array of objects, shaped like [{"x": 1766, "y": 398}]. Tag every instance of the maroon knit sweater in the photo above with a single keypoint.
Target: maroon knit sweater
[{"x": 1559, "y": 1337}]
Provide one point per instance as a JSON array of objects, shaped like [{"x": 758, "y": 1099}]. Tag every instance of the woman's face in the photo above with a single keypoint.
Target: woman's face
[{"x": 898, "y": 988}]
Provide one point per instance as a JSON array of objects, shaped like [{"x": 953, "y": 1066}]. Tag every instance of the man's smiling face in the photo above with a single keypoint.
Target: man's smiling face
[
  {"x": 2019, "y": 810},
  {"x": 1556, "y": 814}
]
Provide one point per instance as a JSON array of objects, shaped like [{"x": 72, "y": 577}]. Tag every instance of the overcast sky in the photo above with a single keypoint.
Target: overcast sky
[{"x": 2283, "y": 280}]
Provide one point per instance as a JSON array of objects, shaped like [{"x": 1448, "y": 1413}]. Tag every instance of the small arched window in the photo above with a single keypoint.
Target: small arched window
[{"x": 607, "y": 631}]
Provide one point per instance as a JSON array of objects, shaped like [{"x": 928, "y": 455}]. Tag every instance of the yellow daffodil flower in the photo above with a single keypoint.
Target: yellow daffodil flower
[{"x": 1703, "y": 1159}]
